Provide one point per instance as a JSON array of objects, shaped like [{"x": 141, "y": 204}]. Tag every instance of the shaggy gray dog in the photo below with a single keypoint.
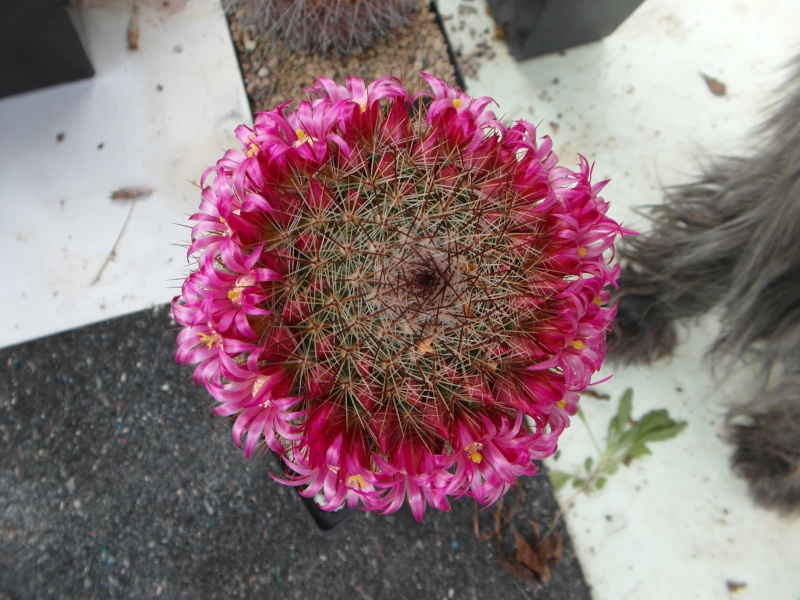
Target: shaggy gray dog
[{"x": 731, "y": 241}]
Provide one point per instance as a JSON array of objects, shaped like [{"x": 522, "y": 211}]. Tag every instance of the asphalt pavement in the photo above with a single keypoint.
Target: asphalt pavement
[{"x": 116, "y": 481}]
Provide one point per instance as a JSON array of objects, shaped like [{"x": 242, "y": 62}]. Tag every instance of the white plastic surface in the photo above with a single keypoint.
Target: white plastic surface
[
  {"x": 151, "y": 118},
  {"x": 677, "y": 525}
]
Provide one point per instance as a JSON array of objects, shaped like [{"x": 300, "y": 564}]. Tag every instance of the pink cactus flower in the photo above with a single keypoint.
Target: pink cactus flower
[{"x": 397, "y": 293}]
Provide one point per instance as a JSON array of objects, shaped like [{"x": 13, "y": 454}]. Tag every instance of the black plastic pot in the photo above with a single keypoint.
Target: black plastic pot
[
  {"x": 39, "y": 45},
  {"x": 536, "y": 27},
  {"x": 324, "y": 520}
]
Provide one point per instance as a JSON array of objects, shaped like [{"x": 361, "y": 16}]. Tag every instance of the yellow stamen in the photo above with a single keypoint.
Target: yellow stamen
[
  {"x": 210, "y": 340},
  {"x": 581, "y": 252},
  {"x": 228, "y": 232},
  {"x": 302, "y": 138},
  {"x": 252, "y": 150},
  {"x": 457, "y": 102},
  {"x": 598, "y": 301},
  {"x": 235, "y": 293},
  {"x": 474, "y": 452},
  {"x": 357, "y": 482},
  {"x": 562, "y": 404},
  {"x": 577, "y": 344},
  {"x": 258, "y": 384}
]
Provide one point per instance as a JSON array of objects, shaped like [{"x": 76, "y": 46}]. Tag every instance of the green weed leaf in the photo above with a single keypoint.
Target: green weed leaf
[
  {"x": 559, "y": 479},
  {"x": 626, "y": 441},
  {"x": 620, "y": 421}
]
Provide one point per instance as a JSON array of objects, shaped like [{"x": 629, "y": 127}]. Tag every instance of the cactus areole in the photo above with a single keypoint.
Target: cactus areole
[{"x": 397, "y": 293}]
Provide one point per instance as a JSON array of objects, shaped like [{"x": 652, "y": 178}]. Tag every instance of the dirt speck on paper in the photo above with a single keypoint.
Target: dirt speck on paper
[
  {"x": 133, "y": 28},
  {"x": 715, "y": 86},
  {"x": 595, "y": 395},
  {"x": 131, "y": 192},
  {"x": 735, "y": 586}
]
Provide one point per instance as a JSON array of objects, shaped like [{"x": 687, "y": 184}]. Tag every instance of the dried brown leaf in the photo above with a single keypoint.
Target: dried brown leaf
[
  {"x": 530, "y": 558},
  {"x": 533, "y": 558},
  {"x": 500, "y": 520},
  {"x": 476, "y": 526},
  {"x": 517, "y": 569}
]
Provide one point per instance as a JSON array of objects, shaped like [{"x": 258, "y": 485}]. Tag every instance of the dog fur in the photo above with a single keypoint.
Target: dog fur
[{"x": 731, "y": 241}]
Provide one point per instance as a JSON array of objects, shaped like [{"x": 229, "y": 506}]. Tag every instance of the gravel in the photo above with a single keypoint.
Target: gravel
[{"x": 272, "y": 73}]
